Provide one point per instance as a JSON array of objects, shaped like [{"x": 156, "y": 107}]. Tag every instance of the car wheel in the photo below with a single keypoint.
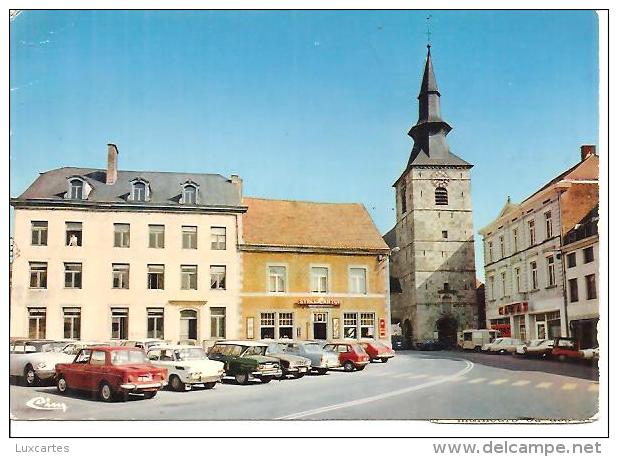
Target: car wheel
[
  {"x": 242, "y": 378},
  {"x": 348, "y": 366},
  {"x": 61, "y": 385},
  {"x": 209, "y": 385},
  {"x": 105, "y": 392},
  {"x": 477, "y": 349},
  {"x": 176, "y": 384},
  {"x": 298, "y": 375},
  {"x": 149, "y": 395},
  {"x": 361, "y": 368},
  {"x": 30, "y": 377},
  {"x": 502, "y": 352},
  {"x": 322, "y": 370},
  {"x": 266, "y": 379},
  {"x": 384, "y": 359}
]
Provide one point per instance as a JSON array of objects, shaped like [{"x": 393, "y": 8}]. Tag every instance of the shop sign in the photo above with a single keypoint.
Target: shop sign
[
  {"x": 382, "y": 326},
  {"x": 514, "y": 308},
  {"x": 319, "y": 302}
]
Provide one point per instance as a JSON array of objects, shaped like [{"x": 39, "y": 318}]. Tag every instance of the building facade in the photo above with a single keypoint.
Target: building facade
[
  {"x": 525, "y": 275},
  {"x": 432, "y": 243},
  {"x": 312, "y": 271},
  {"x": 109, "y": 254}
]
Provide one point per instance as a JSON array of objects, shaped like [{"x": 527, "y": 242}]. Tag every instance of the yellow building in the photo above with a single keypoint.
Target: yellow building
[{"x": 312, "y": 271}]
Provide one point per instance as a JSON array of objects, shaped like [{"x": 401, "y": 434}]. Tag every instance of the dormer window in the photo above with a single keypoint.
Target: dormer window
[
  {"x": 78, "y": 188},
  {"x": 189, "y": 193},
  {"x": 140, "y": 190}
]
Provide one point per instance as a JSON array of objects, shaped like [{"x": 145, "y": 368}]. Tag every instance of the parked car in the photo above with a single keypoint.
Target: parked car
[
  {"x": 186, "y": 366},
  {"x": 245, "y": 360},
  {"x": 590, "y": 354},
  {"x": 429, "y": 345},
  {"x": 33, "y": 361},
  {"x": 535, "y": 348},
  {"x": 566, "y": 348},
  {"x": 144, "y": 344},
  {"x": 291, "y": 364},
  {"x": 399, "y": 343},
  {"x": 351, "y": 355},
  {"x": 377, "y": 350},
  {"x": 74, "y": 347},
  {"x": 474, "y": 340},
  {"x": 502, "y": 345},
  {"x": 187, "y": 342},
  {"x": 111, "y": 372},
  {"x": 321, "y": 360}
]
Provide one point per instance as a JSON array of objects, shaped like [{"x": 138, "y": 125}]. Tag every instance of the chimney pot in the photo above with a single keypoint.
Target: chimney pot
[
  {"x": 587, "y": 150},
  {"x": 237, "y": 181},
  {"x": 112, "y": 164}
]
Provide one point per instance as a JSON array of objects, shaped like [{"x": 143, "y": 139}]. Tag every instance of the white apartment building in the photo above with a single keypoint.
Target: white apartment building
[
  {"x": 109, "y": 254},
  {"x": 524, "y": 269}
]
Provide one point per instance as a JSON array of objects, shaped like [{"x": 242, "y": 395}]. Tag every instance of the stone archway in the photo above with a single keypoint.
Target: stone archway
[{"x": 447, "y": 330}]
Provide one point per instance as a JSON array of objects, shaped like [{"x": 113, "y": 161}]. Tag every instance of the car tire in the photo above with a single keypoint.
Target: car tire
[
  {"x": 30, "y": 377},
  {"x": 176, "y": 384},
  {"x": 361, "y": 367},
  {"x": 149, "y": 395},
  {"x": 209, "y": 385},
  {"x": 242, "y": 378},
  {"x": 384, "y": 359},
  {"x": 61, "y": 385},
  {"x": 105, "y": 392},
  {"x": 348, "y": 366},
  {"x": 298, "y": 375},
  {"x": 266, "y": 379},
  {"x": 322, "y": 371},
  {"x": 477, "y": 349},
  {"x": 502, "y": 351}
]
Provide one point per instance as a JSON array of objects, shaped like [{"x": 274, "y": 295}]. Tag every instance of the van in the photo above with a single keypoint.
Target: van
[{"x": 475, "y": 339}]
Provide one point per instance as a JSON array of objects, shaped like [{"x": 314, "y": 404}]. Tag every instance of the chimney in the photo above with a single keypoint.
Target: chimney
[
  {"x": 112, "y": 164},
  {"x": 587, "y": 150},
  {"x": 237, "y": 181}
]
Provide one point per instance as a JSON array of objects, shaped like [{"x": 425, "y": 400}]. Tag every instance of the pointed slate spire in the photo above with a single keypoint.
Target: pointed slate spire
[{"x": 429, "y": 79}]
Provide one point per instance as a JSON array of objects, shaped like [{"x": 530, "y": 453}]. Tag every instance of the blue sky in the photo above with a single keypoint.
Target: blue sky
[{"x": 304, "y": 105}]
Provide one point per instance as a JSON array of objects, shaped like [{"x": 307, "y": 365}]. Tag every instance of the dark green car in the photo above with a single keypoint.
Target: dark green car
[{"x": 245, "y": 360}]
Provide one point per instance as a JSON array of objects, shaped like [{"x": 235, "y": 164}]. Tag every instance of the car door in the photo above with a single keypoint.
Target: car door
[
  {"x": 95, "y": 370},
  {"x": 74, "y": 372}
]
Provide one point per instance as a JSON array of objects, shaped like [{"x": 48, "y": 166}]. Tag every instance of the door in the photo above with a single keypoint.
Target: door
[
  {"x": 320, "y": 321},
  {"x": 188, "y": 324},
  {"x": 541, "y": 334}
]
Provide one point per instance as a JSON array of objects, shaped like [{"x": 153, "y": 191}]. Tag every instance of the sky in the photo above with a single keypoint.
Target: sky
[{"x": 307, "y": 105}]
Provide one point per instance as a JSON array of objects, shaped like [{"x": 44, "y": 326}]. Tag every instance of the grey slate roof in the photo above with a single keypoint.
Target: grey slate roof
[
  {"x": 165, "y": 187},
  {"x": 420, "y": 158}
]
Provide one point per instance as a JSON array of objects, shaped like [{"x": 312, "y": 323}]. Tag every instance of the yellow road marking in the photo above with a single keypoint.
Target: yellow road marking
[
  {"x": 543, "y": 385},
  {"x": 523, "y": 382},
  {"x": 498, "y": 382},
  {"x": 593, "y": 388},
  {"x": 477, "y": 380},
  {"x": 569, "y": 386}
]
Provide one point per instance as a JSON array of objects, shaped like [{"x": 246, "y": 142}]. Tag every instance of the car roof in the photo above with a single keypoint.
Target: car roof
[
  {"x": 173, "y": 346},
  {"x": 112, "y": 348},
  {"x": 340, "y": 342},
  {"x": 242, "y": 343}
]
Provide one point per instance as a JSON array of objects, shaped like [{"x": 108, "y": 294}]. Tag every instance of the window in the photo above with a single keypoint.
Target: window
[
  {"x": 188, "y": 277},
  {"x": 97, "y": 358},
  {"x": 517, "y": 275},
  {"x": 319, "y": 280},
  {"x": 446, "y": 287},
  {"x": 501, "y": 239},
  {"x": 571, "y": 260},
  {"x": 534, "y": 274},
  {"x": 358, "y": 281},
  {"x": 138, "y": 193},
  {"x": 72, "y": 323},
  {"x": 156, "y": 236},
  {"x": 403, "y": 197},
  {"x": 189, "y": 194},
  {"x": 573, "y": 292},
  {"x": 445, "y": 234},
  {"x": 490, "y": 287},
  {"x": 367, "y": 325},
  {"x": 503, "y": 283},
  {"x": 76, "y": 189},
  {"x": 155, "y": 323},
  {"x": 120, "y": 275},
  {"x": 515, "y": 240},
  {"x": 189, "y": 237},
  {"x": 73, "y": 233},
  {"x": 441, "y": 196},
  {"x": 73, "y": 275},
  {"x": 156, "y": 276},
  {"x": 217, "y": 322},
  {"x": 39, "y": 233},
  {"x": 267, "y": 325},
  {"x": 531, "y": 232},
  {"x": 551, "y": 271},
  {"x": 588, "y": 255},
  {"x": 591, "y": 287},
  {"x": 490, "y": 250},
  {"x": 286, "y": 325},
  {"x": 122, "y": 234},
  {"x": 36, "y": 323},
  {"x": 38, "y": 275},
  {"x": 548, "y": 225},
  {"x": 217, "y": 276},
  {"x": 120, "y": 323},
  {"x": 349, "y": 325},
  {"x": 217, "y": 238},
  {"x": 276, "y": 279}
]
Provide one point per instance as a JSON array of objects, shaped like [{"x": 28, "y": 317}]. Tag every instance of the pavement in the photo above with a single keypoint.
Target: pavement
[{"x": 441, "y": 385}]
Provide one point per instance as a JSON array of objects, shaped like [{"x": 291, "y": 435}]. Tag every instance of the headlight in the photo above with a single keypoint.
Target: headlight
[
  {"x": 194, "y": 375},
  {"x": 41, "y": 365}
]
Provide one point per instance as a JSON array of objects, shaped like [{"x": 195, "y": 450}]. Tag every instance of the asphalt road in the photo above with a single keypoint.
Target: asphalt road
[{"x": 414, "y": 385}]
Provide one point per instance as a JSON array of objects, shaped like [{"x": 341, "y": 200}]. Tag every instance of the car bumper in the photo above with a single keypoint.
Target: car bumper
[
  {"x": 131, "y": 387},
  {"x": 45, "y": 374},
  {"x": 384, "y": 356},
  {"x": 297, "y": 369},
  {"x": 259, "y": 374},
  {"x": 203, "y": 379},
  {"x": 361, "y": 363}
]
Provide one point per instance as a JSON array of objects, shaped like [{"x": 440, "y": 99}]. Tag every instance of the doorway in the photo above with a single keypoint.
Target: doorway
[
  {"x": 541, "y": 334},
  {"x": 188, "y": 324},
  {"x": 320, "y": 321},
  {"x": 447, "y": 331}
]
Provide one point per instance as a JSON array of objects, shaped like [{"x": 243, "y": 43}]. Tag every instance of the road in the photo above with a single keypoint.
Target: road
[{"x": 414, "y": 385}]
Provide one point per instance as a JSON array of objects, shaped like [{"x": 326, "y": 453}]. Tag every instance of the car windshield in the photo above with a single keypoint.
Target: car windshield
[
  {"x": 190, "y": 354},
  {"x": 128, "y": 357},
  {"x": 534, "y": 343},
  {"x": 44, "y": 346},
  {"x": 255, "y": 350},
  {"x": 274, "y": 349},
  {"x": 313, "y": 347}
]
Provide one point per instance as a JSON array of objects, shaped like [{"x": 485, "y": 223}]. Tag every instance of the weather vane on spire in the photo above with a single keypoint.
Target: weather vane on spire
[{"x": 428, "y": 31}]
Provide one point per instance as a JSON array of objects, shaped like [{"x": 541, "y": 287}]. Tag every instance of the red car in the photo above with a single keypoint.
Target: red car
[
  {"x": 351, "y": 355},
  {"x": 111, "y": 372},
  {"x": 566, "y": 348},
  {"x": 377, "y": 350}
]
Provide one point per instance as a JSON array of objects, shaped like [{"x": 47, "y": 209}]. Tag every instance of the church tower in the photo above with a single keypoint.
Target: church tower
[{"x": 432, "y": 261}]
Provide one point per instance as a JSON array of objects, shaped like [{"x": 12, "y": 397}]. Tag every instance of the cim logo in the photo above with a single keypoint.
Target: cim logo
[{"x": 44, "y": 403}]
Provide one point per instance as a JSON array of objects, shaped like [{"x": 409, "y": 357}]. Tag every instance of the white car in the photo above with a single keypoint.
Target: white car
[
  {"x": 187, "y": 365},
  {"x": 502, "y": 345},
  {"x": 590, "y": 353},
  {"x": 35, "y": 360},
  {"x": 535, "y": 348},
  {"x": 145, "y": 344}
]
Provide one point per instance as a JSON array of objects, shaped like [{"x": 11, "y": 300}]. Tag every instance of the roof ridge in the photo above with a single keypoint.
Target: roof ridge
[{"x": 302, "y": 201}]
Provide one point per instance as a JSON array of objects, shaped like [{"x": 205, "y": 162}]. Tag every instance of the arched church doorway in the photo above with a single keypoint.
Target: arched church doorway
[{"x": 447, "y": 330}]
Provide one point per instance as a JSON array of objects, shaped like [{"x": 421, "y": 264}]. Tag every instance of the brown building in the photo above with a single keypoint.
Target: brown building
[{"x": 312, "y": 271}]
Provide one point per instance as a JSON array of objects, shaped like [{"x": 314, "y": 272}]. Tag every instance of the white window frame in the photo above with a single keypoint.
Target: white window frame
[
  {"x": 188, "y": 277},
  {"x": 123, "y": 232},
  {"x": 534, "y": 274},
  {"x": 155, "y": 269},
  {"x": 71, "y": 271},
  {"x": 156, "y": 236},
  {"x": 74, "y": 315},
  {"x": 189, "y": 233},
  {"x": 121, "y": 316},
  {"x": 311, "y": 276},
  {"x": 350, "y": 321},
  {"x": 363, "y": 319},
  {"x": 551, "y": 270},
  {"x": 515, "y": 239},
  {"x": 134, "y": 190},
  {"x": 285, "y": 319},
  {"x": 185, "y": 189},
  {"x": 38, "y": 314},
  {"x": 218, "y": 321},
  {"x": 156, "y": 314},
  {"x": 531, "y": 232},
  {"x": 39, "y": 270},
  {"x": 268, "y": 319},
  {"x": 121, "y": 273},
  {"x": 217, "y": 239},
  {"x": 41, "y": 231},
  {"x": 353, "y": 282},
  {"x": 548, "y": 225},
  {"x": 218, "y": 281},
  {"x": 270, "y": 275}
]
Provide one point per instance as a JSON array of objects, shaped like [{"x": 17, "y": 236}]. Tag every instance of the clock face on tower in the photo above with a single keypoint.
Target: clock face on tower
[{"x": 440, "y": 179}]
